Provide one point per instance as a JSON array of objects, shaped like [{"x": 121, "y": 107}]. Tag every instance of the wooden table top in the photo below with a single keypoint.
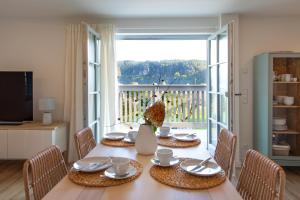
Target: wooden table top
[{"x": 144, "y": 187}]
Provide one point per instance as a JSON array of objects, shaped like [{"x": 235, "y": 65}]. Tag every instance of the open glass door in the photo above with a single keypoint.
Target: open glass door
[
  {"x": 219, "y": 85},
  {"x": 92, "y": 81}
]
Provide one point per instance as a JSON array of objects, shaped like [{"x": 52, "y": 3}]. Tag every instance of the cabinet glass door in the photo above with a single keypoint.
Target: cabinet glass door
[{"x": 218, "y": 85}]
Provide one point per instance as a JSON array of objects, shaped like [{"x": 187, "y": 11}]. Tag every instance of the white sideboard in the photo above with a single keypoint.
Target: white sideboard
[{"x": 24, "y": 141}]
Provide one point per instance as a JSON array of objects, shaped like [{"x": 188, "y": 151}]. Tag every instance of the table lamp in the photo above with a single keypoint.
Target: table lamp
[{"x": 47, "y": 105}]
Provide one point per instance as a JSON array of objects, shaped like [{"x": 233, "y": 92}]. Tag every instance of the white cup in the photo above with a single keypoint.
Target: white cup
[
  {"x": 120, "y": 165},
  {"x": 164, "y": 156},
  {"x": 287, "y": 77},
  {"x": 164, "y": 130},
  {"x": 132, "y": 135}
]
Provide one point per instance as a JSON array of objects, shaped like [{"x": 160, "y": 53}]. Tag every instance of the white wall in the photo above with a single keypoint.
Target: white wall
[
  {"x": 257, "y": 35},
  {"x": 37, "y": 46}
]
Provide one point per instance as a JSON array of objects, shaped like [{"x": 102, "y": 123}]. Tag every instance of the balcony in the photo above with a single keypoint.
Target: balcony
[{"x": 185, "y": 104}]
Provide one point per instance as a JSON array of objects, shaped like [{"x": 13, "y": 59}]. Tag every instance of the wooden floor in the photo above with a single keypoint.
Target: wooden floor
[{"x": 11, "y": 181}]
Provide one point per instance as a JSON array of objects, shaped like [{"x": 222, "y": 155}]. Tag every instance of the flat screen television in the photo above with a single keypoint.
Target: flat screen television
[{"x": 16, "y": 97}]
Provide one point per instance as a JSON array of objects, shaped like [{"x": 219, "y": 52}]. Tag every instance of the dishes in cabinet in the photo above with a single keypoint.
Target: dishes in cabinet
[
  {"x": 288, "y": 100},
  {"x": 280, "y": 127},
  {"x": 281, "y": 150},
  {"x": 279, "y": 121},
  {"x": 279, "y": 99}
]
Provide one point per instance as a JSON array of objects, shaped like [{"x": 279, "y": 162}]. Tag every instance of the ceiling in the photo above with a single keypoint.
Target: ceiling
[{"x": 145, "y": 8}]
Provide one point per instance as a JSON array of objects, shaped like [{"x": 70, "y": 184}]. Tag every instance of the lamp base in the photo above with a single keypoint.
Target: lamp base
[{"x": 47, "y": 118}]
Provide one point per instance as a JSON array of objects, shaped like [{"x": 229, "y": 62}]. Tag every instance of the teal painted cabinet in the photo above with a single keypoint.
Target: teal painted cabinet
[{"x": 276, "y": 107}]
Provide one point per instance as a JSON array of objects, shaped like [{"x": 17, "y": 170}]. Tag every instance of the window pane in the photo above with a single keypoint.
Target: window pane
[
  {"x": 213, "y": 137},
  {"x": 92, "y": 80},
  {"x": 213, "y": 106},
  {"x": 223, "y": 78},
  {"x": 92, "y": 108},
  {"x": 173, "y": 61},
  {"x": 213, "y": 78},
  {"x": 223, "y": 47},
  {"x": 91, "y": 48},
  {"x": 98, "y": 72},
  {"x": 213, "y": 51},
  {"x": 98, "y": 106},
  {"x": 223, "y": 109}
]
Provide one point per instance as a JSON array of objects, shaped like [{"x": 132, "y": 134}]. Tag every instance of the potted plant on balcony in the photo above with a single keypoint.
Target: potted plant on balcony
[{"x": 146, "y": 141}]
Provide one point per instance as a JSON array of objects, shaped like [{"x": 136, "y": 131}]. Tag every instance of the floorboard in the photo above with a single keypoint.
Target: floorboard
[{"x": 11, "y": 181}]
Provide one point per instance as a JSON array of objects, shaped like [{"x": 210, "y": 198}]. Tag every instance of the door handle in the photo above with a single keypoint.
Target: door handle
[{"x": 238, "y": 94}]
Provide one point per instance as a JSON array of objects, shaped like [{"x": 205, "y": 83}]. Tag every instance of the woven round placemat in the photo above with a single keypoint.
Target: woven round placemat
[
  {"x": 116, "y": 143},
  {"x": 97, "y": 179},
  {"x": 177, "y": 177},
  {"x": 172, "y": 142}
]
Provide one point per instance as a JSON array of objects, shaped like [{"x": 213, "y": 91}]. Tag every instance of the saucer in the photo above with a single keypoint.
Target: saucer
[
  {"x": 128, "y": 140},
  {"x": 92, "y": 164},
  {"x": 164, "y": 136},
  {"x": 185, "y": 137},
  {"x": 114, "y": 136},
  {"x": 110, "y": 173},
  {"x": 172, "y": 162},
  {"x": 208, "y": 169}
]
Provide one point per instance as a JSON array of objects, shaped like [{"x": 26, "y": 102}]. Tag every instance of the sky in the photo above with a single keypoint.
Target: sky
[{"x": 142, "y": 50}]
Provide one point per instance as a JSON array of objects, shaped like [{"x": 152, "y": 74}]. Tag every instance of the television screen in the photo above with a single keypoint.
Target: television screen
[{"x": 16, "y": 104}]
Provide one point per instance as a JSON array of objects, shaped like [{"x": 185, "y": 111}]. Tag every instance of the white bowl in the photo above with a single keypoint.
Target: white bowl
[
  {"x": 279, "y": 99},
  {"x": 288, "y": 101},
  {"x": 279, "y": 121}
]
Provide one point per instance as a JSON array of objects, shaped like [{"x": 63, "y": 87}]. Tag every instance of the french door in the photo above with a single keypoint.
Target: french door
[
  {"x": 92, "y": 81},
  {"x": 220, "y": 79}
]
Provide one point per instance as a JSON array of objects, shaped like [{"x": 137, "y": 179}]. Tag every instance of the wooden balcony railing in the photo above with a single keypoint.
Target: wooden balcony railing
[{"x": 184, "y": 103}]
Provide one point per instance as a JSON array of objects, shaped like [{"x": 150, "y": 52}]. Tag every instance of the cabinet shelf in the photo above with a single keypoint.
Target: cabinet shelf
[
  {"x": 285, "y": 106},
  {"x": 287, "y": 132},
  {"x": 285, "y": 82}
]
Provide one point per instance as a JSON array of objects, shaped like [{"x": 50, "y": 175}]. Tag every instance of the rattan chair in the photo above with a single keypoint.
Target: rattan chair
[
  {"x": 225, "y": 151},
  {"x": 42, "y": 172},
  {"x": 84, "y": 141},
  {"x": 261, "y": 178}
]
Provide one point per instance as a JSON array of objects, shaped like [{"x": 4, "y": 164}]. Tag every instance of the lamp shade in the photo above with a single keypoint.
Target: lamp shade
[{"x": 46, "y": 104}]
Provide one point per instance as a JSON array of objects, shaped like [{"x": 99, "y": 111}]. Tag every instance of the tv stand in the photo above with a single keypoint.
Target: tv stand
[
  {"x": 27, "y": 139},
  {"x": 10, "y": 123}
]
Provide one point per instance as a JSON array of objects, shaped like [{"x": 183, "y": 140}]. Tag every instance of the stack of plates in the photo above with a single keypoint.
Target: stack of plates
[
  {"x": 279, "y": 124},
  {"x": 92, "y": 164}
]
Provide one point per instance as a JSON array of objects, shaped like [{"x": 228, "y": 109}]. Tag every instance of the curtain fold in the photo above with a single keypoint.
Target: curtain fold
[
  {"x": 73, "y": 99},
  {"x": 109, "y": 100}
]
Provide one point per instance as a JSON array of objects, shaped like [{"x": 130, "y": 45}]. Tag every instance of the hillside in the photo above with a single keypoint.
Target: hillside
[{"x": 171, "y": 71}]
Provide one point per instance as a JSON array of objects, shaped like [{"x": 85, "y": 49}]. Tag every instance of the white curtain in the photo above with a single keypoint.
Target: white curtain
[
  {"x": 73, "y": 100},
  {"x": 109, "y": 100}
]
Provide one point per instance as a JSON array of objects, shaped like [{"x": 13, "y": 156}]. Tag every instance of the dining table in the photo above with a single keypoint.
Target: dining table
[{"x": 144, "y": 187}]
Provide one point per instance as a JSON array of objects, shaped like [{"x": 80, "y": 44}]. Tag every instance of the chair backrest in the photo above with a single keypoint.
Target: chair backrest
[
  {"x": 84, "y": 141},
  {"x": 261, "y": 178},
  {"x": 225, "y": 151},
  {"x": 43, "y": 171}
]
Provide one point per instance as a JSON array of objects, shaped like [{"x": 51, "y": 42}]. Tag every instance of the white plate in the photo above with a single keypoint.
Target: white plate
[
  {"x": 92, "y": 164},
  {"x": 128, "y": 140},
  {"x": 173, "y": 161},
  {"x": 209, "y": 169},
  {"x": 110, "y": 173},
  {"x": 164, "y": 136},
  {"x": 115, "y": 136},
  {"x": 185, "y": 137}
]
